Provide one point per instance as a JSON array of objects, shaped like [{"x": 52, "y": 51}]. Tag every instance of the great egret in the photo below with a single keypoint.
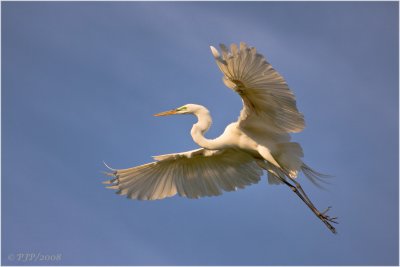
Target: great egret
[{"x": 258, "y": 141}]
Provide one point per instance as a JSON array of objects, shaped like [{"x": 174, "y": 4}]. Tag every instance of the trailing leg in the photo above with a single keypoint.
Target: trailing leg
[{"x": 298, "y": 190}]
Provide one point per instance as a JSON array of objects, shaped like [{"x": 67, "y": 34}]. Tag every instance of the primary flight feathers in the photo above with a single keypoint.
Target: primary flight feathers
[
  {"x": 191, "y": 174},
  {"x": 264, "y": 91}
]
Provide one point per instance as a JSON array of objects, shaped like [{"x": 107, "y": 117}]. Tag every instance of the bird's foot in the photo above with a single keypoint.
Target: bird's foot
[{"x": 326, "y": 218}]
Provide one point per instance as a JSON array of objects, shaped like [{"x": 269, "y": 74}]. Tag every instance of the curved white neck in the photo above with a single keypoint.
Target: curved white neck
[{"x": 201, "y": 127}]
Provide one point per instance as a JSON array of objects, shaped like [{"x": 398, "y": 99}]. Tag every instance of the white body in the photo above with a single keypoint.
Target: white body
[{"x": 233, "y": 137}]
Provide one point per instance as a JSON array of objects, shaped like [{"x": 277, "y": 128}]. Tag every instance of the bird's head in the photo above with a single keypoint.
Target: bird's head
[{"x": 185, "y": 109}]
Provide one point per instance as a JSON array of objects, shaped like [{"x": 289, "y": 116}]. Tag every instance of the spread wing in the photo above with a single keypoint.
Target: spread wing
[
  {"x": 268, "y": 103},
  {"x": 191, "y": 174}
]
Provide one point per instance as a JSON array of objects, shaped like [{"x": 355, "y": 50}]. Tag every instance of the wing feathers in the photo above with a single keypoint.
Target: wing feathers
[
  {"x": 191, "y": 174},
  {"x": 264, "y": 91}
]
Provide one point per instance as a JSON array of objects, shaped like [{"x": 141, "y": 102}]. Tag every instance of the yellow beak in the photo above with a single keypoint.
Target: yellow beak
[{"x": 166, "y": 113}]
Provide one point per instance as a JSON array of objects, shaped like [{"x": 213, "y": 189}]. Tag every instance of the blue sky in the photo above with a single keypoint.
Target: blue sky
[{"x": 80, "y": 82}]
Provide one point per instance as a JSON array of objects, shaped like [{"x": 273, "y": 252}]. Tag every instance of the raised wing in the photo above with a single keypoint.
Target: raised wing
[
  {"x": 191, "y": 174},
  {"x": 267, "y": 99}
]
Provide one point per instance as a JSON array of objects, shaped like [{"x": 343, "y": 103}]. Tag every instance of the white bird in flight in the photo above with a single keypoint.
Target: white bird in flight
[{"x": 259, "y": 140}]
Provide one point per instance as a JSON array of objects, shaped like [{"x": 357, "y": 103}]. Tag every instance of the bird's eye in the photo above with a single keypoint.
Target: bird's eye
[{"x": 181, "y": 108}]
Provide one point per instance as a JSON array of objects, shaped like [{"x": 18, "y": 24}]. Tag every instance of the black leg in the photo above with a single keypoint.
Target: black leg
[{"x": 303, "y": 196}]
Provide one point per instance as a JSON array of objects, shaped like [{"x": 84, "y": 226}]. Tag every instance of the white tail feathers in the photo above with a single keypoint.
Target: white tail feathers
[
  {"x": 289, "y": 157},
  {"x": 315, "y": 177}
]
